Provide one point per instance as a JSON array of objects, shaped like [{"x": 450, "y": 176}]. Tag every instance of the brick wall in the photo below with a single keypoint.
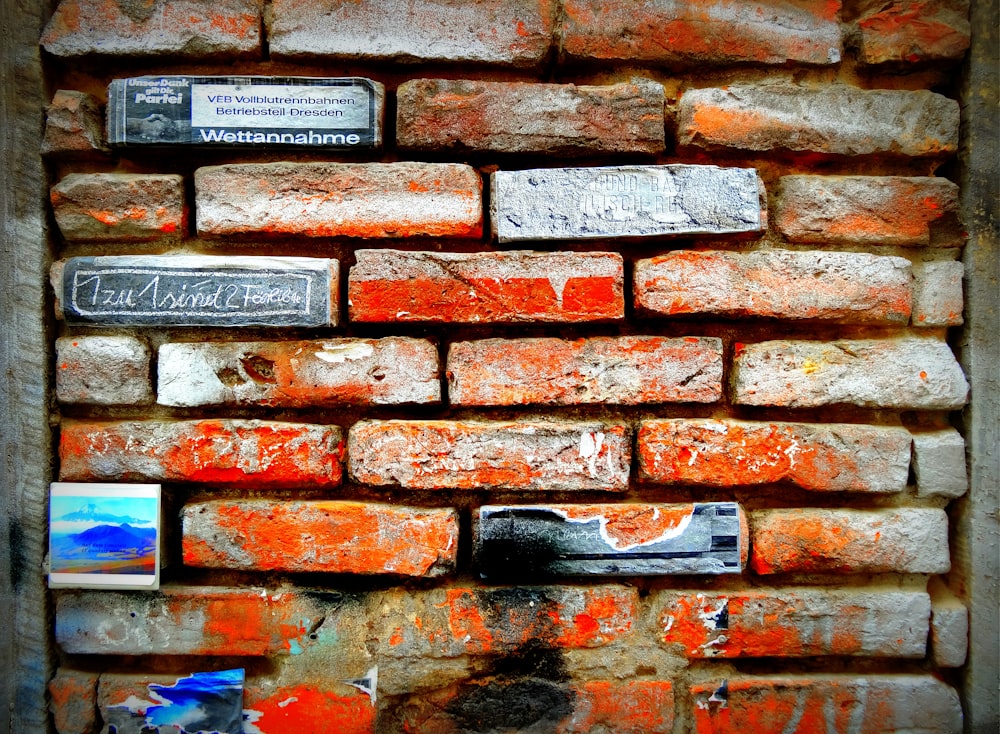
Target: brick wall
[{"x": 477, "y": 496}]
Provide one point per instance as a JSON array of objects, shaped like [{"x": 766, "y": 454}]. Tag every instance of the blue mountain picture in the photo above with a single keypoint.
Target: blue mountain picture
[{"x": 110, "y": 535}]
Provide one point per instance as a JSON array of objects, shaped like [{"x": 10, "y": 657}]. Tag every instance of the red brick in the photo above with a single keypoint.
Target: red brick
[
  {"x": 708, "y": 32},
  {"x": 832, "y": 120},
  {"x": 184, "y": 620},
  {"x": 233, "y": 453},
  {"x": 515, "y": 32},
  {"x": 828, "y": 457},
  {"x": 836, "y": 286},
  {"x": 869, "y": 210},
  {"x": 73, "y": 126},
  {"x": 119, "y": 207},
  {"x": 627, "y": 370},
  {"x": 794, "y": 622},
  {"x": 323, "y": 536},
  {"x": 486, "y": 287},
  {"x": 188, "y": 28},
  {"x": 73, "y": 701},
  {"x": 450, "y": 622},
  {"x": 296, "y": 374},
  {"x": 367, "y": 200},
  {"x": 103, "y": 370},
  {"x": 530, "y": 455},
  {"x": 913, "y": 31},
  {"x": 316, "y": 707},
  {"x": 826, "y": 703},
  {"x": 516, "y": 117},
  {"x": 905, "y": 540}
]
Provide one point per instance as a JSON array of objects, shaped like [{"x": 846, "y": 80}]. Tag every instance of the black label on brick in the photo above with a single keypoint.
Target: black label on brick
[{"x": 332, "y": 113}]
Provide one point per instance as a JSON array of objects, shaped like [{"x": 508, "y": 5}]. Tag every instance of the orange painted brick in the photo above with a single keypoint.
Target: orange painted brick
[
  {"x": 233, "y": 453},
  {"x": 794, "y": 622},
  {"x": 449, "y": 622},
  {"x": 185, "y": 620},
  {"x": 517, "y": 117},
  {"x": 707, "y": 32},
  {"x": 486, "y": 287},
  {"x": 835, "y": 286},
  {"x": 73, "y": 701},
  {"x": 827, "y": 703},
  {"x": 367, "y": 200},
  {"x": 187, "y": 28},
  {"x": 905, "y": 540},
  {"x": 869, "y": 210},
  {"x": 913, "y": 31},
  {"x": 119, "y": 207},
  {"x": 529, "y": 455},
  {"x": 324, "y": 536},
  {"x": 832, "y": 457},
  {"x": 295, "y": 374},
  {"x": 317, "y": 707},
  {"x": 626, "y": 370}
]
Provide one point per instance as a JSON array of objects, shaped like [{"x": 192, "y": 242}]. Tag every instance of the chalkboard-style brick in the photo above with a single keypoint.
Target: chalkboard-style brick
[
  {"x": 73, "y": 126},
  {"x": 938, "y": 299},
  {"x": 625, "y": 370},
  {"x": 906, "y": 540},
  {"x": 794, "y": 622},
  {"x": 904, "y": 373},
  {"x": 939, "y": 463},
  {"x": 233, "y": 453},
  {"x": 832, "y": 457},
  {"x": 453, "y": 621},
  {"x": 517, "y": 541},
  {"x": 834, "y": 120},
  {"x": 528, "y": 455},
  {"x": 515, "y": 117},
  {"x": 73, "y": 701},
  {"x": 904, "y": 32},
  {"x": 677, "y": 33},
  {"x": 486, "y": 287},
  {"x": 625, "y": 201},
  {"x": 103, "y": 370},
  {"x": 320, "y": 536},
  {"x": 516, "y": 32},
  {"x": 869, "y": 210},
  {"x": 119, "y": 207},
  {"x": 295, "y": 374},
  {"x": 823, "y": 702},
  {"x": 366, "y": 200},
  {"x": 834, "y": 286},
  {"x": 185, "y": 28}
]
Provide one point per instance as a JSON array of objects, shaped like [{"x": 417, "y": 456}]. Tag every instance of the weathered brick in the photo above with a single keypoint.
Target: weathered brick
[
  {"x": 73, "y": 125},
  {"x": 939, "y": 463},
  {"x": 517, "y": 541},
  {"x": 325, "y": 536},
  {"x": 832, "y": 457},
  {"x": 119, "y": 207},
  {"x": 103, "y": 370},
  {"x": 185, "y": 620},
  {"x": 368, "y": 200},
  {"x": 187, "y": 28},
  {"x": 293, "y": 374},
  {"x": 515, "y": 32},
  {"x": 516, "y": 117},
  {"x": 903, "y": 373},
  {"x": 236, "y": 453},
  {"x": 449, "y": 622},
  {"x": 795, "y": 622},
  {"x": 869, "y": 210},
  {"x": 531, "y": 455},
  {"x": 836, "y": 286},
  {"x": 316, "y": 707},
  {"x": 949, "y": 641},
  {"x": 905, "y": 540},
  {"x": 532, "y": 703},
  {"x": 937, "y": 293},
  {"x": 826, "y": 703},
  {"x": 913, "y": 31},
  {"x": 486, "y": 287},
  {"x": 73, "y": 701},
  {"x": 625, "y": 370},
  {"x": 675, "y": 33},
  {"x": 835, "y": 119}
]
